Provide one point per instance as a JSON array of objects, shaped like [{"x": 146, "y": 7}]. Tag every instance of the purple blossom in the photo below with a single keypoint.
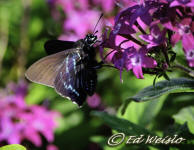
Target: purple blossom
[
  {"x": 133, "y": 59},
  {"x": 189, "y": 51},
  {"x": 165, "y": 14},
  {"x": 136, "y": 59},
  {"x": 81, "y": 22},
  {"x": 19, "y": 89},
  {"x": 143, "y": 11},
  {"x": 18, "y": 121},
  {"x": 118, "y": 60},
  {"x": 107, "y": 6},
  {"x": 110, "y": 40},
  {"x": 155, "y": 38},
  {"x": 190, "y": 56},
  {"x": 80, "y": 19},
  {"x": 122, "y": 26},
  {"x": 188, "y": 3},
  {"x": 94, "y": 101},
  {"x": 182, "y": 31},
  {"x": 51, "y": 147}
]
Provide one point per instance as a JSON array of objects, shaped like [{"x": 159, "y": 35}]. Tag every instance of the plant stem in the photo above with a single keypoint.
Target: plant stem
[{"x": 183, "y": 68}]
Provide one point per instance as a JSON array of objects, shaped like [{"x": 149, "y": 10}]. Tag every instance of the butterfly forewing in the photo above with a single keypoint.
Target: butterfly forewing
[
  {"x": 45, "y": 70},
  {"x": 68, "y": 82}
]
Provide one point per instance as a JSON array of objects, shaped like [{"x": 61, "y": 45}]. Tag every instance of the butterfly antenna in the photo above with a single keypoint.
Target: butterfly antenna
[{"x": 97, "y": 24}]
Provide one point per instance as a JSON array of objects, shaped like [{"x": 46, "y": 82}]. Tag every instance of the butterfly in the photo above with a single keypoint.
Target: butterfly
[
  {"x": 70, "y": 67},
  {"x": 71, "y": 71}
]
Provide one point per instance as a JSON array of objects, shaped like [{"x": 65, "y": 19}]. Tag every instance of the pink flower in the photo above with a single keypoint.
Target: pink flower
[
  {"x": 81, "y": 22},
  {"x": 107, "y": 5},
  {"x": 19, "y": 121},
  {"x": 136, "y": 59},
  {"x": 51, "y": 147},
  {"x": 94, "y": 101},
  {"x": 155, "y": 38},
  {"x": 189, "y": 51},
  {"x": 188, "y": 3},
  {"x": 182, "y": 31}
]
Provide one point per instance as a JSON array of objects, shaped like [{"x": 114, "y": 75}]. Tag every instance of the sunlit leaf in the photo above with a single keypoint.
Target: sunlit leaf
[
  {"x": 13, "y": 147},
  {"x": 186, "y": 115},
  {"x": 143, "y": 113}
]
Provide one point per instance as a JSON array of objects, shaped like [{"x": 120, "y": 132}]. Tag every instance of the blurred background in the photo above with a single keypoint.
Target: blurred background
[{"x": 35, "y": 116}]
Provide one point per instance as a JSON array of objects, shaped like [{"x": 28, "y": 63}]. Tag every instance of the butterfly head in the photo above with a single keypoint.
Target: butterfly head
[{"x": 90, "y": 40}]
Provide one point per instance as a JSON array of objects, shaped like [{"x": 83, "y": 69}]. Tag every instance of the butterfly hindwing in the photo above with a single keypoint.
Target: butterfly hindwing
[{"x": 68, "y": 82}]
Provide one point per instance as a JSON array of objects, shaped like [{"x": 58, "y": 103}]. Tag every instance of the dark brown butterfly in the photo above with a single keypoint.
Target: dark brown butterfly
[{"x": 71, "y": 71}]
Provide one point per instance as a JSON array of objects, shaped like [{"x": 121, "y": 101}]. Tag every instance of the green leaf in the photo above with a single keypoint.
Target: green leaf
[
  {"x": 13, "y": 147},
  {"x": 121, "y": 125},
  {"x": 143, "y": 113},
  {"x": 164, "y": 87},
  {"x": 186, "y": 115}
]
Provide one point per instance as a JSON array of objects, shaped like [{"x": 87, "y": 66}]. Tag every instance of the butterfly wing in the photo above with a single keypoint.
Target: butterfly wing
[
  {"x": 55, "y": 46},
  {"x": 45, "y": 70},
  {"x": 68, "y": 82}
]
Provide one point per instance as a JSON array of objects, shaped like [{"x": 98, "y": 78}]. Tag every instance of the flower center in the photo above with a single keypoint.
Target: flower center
[
  {"x": 190, "y": 54},
  {"x": 184, "y": 29},
  {"x": 136, "y": 61},
  {"x": 156, "y": 36}
]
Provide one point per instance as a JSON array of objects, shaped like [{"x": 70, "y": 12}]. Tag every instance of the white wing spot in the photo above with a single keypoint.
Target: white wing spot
[
  {"x": 74, "y": 64},
  {"x": 69, "y": 87},
  {"x": 66, "y": 63}
]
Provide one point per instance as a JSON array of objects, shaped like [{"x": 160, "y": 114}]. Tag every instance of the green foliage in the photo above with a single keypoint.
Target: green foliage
[
  {"x": 121, "y": 125},
  {"x": 142, "y": 113},
  {"x": 13, "y": 147},
  {"x": 186, "y": 115},
  {"x": 164, "y": 87},
  {"x": 37, "y": 93}
]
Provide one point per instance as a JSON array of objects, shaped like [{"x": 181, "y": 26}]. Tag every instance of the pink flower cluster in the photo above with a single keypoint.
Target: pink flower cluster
[
  {"x": 20, "y": 122},
  {"x": 81, "y": 16},
  {"x": 145, "y": 32}
]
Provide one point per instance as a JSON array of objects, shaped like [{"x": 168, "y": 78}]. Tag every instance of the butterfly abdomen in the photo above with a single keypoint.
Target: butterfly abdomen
[{"x": 91, "y": 81}]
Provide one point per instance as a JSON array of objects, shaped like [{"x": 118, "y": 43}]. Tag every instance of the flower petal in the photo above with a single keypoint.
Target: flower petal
[{"x": 137, "y": 70}]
